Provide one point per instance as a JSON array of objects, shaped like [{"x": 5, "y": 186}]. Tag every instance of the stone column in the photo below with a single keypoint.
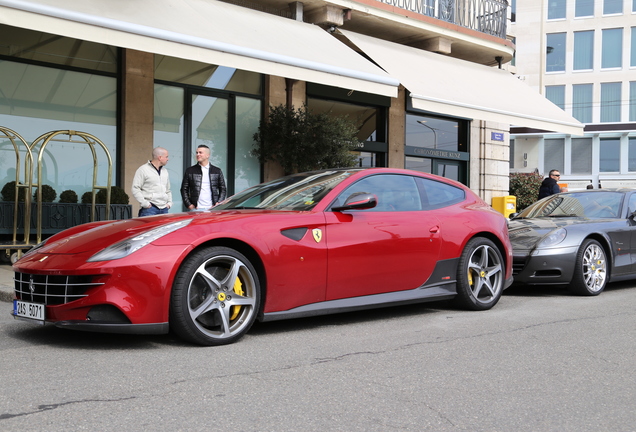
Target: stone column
[
  {"x": 137, "y": 116},
  {"x": 396, "y": 130}
]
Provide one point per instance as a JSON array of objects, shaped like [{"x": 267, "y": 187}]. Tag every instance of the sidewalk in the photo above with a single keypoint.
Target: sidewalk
[{"x": 6, "y": 283}]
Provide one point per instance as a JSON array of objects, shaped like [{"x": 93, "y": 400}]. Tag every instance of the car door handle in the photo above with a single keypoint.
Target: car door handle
[{"x": 434, "y": 229}]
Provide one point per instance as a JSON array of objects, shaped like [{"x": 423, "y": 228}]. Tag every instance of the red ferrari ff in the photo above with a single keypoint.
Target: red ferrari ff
[{"x": 306, "y": 244}]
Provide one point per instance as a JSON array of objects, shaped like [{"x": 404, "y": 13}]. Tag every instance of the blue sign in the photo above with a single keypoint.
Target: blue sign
[{"x": 497, "y": 136}]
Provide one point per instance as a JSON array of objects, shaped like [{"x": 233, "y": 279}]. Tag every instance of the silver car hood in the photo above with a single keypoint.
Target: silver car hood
[{"x": 525, "y": 233}]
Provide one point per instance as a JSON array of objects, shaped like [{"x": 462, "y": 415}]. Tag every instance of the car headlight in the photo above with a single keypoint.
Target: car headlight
[
  {"x": 128, "y": 246},
  {"x": 553, "y": 239}
]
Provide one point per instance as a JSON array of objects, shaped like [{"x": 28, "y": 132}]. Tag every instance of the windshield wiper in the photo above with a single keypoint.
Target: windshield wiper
[{"x": 563, "y": 215}]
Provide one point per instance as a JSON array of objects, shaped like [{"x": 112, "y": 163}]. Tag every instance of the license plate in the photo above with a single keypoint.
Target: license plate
[{"x": 29, "y": 311}]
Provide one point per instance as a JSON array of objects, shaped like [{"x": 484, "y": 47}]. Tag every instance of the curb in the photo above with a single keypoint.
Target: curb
[{"x": 6, "y": 293}]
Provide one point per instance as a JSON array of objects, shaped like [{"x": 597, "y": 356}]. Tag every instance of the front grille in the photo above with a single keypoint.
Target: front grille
[
  {"x": 52, "y": 289},
  {"x": 518, "y": 264}
]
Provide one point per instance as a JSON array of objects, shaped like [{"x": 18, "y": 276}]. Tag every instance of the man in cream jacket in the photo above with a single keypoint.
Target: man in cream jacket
[{"x": 151, "y": 185}]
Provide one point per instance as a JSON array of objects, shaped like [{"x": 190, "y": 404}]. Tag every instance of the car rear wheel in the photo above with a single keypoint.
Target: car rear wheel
[
  {"x": 590, "y": 269},
  {"x": 215, "y": 297},
  {"x": 480, "y": 275}
]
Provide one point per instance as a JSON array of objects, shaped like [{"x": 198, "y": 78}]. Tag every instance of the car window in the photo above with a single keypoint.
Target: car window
[
  {"x": 298, "y": 192},
  {"x": 394, "y": 192},
  {"x": 577, "y": 204},
  {"x": 632, "y": 204},
  {"x": 436, "y": 194}
]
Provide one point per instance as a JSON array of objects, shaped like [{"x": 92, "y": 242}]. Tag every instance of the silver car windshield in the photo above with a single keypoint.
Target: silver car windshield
[
  {"x": 295, "y": 192},
  {"x": 581, "y": 204}
]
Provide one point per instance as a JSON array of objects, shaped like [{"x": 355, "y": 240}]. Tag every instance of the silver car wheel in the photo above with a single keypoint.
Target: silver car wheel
[
  {"x": 217, "y": 305},
  {"x": 216, "y": 297},
  {"x": 480, "y": 277},
  {"x": 594, "y": 268},
  {"x": 485, "y": 273},
  {"x": 591, "y": 269}
]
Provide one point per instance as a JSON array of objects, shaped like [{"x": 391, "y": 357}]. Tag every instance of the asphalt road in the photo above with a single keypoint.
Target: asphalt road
[{"x": 539, "y": 361}]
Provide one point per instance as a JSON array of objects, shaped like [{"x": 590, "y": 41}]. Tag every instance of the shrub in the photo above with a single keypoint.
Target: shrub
[
  {"x": 117, "y": 196},
  {"x": 68, "y": 196},
  {"x": 87, "y": 197},
  {"x": 525, "y": 186},
  {"x": 300, "y": 140},
  {"x": 8, "y": 192},
  {"x": 48, "y": 194}
]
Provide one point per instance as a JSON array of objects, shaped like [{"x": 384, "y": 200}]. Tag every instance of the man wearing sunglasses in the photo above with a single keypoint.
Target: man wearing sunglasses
[{"x": 550, "y": 185}]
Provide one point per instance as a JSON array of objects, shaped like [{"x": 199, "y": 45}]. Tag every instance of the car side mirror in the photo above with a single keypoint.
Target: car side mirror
[
  {"x": 358, "y": 201},
  {"x": 513, "y": 215}
]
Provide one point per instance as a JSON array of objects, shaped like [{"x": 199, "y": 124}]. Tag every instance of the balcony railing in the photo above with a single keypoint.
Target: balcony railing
[{"x": 486, "y": 16}]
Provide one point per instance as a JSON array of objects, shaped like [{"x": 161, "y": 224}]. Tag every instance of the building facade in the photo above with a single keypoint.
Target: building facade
[
  {"x": 581, "y": 54},
  {"x": 421, "y": 79}
]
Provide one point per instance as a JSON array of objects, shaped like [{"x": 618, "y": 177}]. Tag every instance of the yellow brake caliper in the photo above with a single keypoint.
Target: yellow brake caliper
[{"x": 238, "y": 289}]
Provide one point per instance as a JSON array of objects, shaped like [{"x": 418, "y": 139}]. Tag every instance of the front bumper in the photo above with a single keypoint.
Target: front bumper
[{"x": 553, "y": 266}]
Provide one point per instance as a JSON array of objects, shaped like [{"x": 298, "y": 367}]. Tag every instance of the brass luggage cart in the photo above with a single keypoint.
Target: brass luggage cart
[
  {"x": 72, "y": 137},
  {"x": 14, "y": 244}
]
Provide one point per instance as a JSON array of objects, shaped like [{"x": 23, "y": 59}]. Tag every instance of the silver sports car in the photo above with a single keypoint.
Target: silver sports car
[{"x": 581, "y": 239}]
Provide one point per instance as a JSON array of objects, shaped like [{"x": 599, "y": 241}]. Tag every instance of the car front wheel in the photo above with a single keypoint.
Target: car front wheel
[
  {"x": 590, "y": 269},
  {"x": 480, "y": 275},
  {"x": 215, "y": 297}
]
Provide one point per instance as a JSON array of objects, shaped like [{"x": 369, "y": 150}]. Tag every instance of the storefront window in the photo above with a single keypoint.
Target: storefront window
[
  {"x": 36, "y": 99},
  {"x": 168, "y": 133},
  {"x": 367, "y": 119},
  {"x": 431, "y": 132},
  {"x": 247, "y": 168},
  {"x": 437, "y": 145},
  {"x": 202, "y": 104},
  {"x": 363, "y": 117}
]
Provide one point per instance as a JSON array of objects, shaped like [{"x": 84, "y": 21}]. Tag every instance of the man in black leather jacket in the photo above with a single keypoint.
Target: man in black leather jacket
[{"x": 201, "y": 191}]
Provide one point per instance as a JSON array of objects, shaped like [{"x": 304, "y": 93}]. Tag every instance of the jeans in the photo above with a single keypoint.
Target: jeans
[{"x": 152, "y": 210}]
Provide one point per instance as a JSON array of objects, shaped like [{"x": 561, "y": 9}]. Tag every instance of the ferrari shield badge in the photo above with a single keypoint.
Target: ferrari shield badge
[{"x": 317, "y": 232}]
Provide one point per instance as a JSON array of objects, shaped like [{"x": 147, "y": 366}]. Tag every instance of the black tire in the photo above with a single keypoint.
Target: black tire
[
  {"x": 590, "y": 269},
  {"x": 215, "y": 297},
  {"x": 480, "y": 275}
]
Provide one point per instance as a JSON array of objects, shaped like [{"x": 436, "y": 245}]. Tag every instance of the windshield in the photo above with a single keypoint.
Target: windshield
[
  {"x": 294, "y": 192},
  {"x": 581, "y": 204}
]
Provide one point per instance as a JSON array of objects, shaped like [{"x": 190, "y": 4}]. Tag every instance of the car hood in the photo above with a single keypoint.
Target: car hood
[
  {"x": 525, "y": 233},
  {"x": 97, "y": 236}
]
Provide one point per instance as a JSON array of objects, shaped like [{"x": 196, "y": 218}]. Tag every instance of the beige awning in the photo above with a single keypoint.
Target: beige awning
[
  {"x": 206, "y": 31},
  {"x": 458, "y": 88}
]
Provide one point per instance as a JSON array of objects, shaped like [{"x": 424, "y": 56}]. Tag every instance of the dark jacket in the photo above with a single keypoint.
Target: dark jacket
[
  {"x": 191, "y": 185},
  {"x": 549, "y": 186}
]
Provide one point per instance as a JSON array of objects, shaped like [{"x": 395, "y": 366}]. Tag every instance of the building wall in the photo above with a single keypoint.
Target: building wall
[
  {"x": 489, "y": 161},
  {"x": 531, "y": 28}
]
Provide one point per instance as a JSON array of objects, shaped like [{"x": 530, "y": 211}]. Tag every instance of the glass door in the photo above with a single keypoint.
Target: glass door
[{"x": 209, "y": 126}]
